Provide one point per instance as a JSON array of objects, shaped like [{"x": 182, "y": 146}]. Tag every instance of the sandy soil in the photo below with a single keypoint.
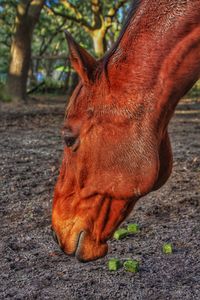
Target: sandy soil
[{"x": 32, "y": 266}]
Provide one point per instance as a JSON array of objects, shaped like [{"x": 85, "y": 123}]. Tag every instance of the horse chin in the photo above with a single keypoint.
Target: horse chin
[{"x": 88, "y": 249}]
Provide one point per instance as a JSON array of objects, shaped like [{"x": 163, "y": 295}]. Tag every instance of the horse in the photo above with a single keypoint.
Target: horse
[{"x": 117, "y": 148}]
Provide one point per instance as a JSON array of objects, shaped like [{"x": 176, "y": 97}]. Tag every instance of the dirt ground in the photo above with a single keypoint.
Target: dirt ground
[{"x": 32, "y": 266}]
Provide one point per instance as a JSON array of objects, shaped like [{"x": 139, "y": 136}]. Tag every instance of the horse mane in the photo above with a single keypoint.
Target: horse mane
[{"x": 132, "y": 12}]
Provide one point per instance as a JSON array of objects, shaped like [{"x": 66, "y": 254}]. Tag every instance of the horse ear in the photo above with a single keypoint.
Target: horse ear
[{"x": 81, "y": 60}]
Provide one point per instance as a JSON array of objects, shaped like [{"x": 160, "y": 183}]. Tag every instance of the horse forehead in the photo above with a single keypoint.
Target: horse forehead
[
  {"x": 86, "y": 97},
  {"x": 75, "y": 102},
  {"x": 75, "y": 95}
]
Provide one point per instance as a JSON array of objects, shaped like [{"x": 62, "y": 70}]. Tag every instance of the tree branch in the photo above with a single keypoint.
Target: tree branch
[
  {"x": 78, "y": 18},
  {"x": 72, "y": 8},
  {"x": 98, "y": 20},
  {"x": 113, "y": 11},
  {"x": 34, "y": 10},
  {"x": 44, "y": 47}
]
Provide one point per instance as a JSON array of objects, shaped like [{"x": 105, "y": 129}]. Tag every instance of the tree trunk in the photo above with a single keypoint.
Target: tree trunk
[
  {"x": 19, "y": 64},
  {"x": 27, "y": 16},
  {"x": 99, "y": 42}
]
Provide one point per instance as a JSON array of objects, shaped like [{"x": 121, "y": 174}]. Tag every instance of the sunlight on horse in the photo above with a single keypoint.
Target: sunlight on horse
[{"x": 117, "y": 144}]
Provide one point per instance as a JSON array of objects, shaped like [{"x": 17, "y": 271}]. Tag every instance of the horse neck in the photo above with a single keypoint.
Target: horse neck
[{"x": 157, "y": 59}]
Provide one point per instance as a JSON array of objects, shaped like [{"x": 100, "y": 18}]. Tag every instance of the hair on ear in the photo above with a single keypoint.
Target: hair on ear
[{"x": 83, "y": 63}]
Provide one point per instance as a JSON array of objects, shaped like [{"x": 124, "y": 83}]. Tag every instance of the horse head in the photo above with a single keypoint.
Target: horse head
[{"x": 117, "y": 147}]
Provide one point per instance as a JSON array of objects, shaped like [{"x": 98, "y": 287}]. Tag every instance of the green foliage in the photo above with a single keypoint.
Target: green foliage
[
  {"x": 84, "y": 19},
  {"x": 4, "y": 97},
  {"x": 7, "y": 19},
  {"x": 49, "y": 47},
  {"x": 194, "y": 92},
  {"x": 49, "y": 40},
  {"x": 50, "y": 86},
  {"x": 53, "y": 84}
]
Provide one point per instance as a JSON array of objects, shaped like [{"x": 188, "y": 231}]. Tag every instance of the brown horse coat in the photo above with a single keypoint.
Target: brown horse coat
[{"x": 117, "y": 144}]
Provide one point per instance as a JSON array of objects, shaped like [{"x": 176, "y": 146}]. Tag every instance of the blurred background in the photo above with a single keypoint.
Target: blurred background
[{"x": 33, "y": 50}]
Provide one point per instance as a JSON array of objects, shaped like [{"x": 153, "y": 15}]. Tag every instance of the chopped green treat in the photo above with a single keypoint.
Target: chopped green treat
[
  {"x": 113, "y": 264},
  {"x": 120, "y": 233},
  {"x": 167, "y": 248},
  {"x": 133, "y": 228},
  {"x": 131, "y": 266}
]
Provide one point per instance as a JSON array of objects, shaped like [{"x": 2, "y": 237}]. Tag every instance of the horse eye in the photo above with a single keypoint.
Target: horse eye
[{"x": 69, "y": 140}]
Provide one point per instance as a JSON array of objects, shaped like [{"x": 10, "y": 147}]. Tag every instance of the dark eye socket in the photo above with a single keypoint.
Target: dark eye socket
[{"x": 70, "y": 138}]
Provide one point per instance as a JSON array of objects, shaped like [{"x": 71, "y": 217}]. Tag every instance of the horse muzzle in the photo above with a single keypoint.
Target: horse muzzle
[{"x": 81, "y": 245}]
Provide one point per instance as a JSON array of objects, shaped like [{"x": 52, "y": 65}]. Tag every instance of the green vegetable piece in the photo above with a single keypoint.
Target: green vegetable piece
[
  {"x": 120, "y": 233},
  {"x": 167, "y": 248},
  {"x": 131, "y": 266},
  {"x": 113, "y": 264},
  {"x": 133, "y": 228}
]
